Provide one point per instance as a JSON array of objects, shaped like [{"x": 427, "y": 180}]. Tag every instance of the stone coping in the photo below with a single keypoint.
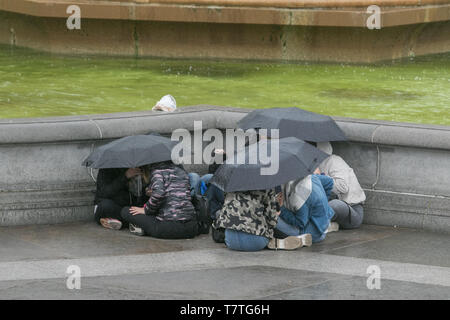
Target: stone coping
[
  {"x": 347, "y": 13},
  {"x": 290, "y": 3},
  {"x": 260, "y": 3},
  {"x": 110, "y": 126}
]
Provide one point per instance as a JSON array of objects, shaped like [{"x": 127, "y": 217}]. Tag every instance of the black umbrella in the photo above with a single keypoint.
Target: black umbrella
[
  {"x": 294, "y": 122},
  {"x": 131, "y": 152},
  {"x": 297, "y": 159}
]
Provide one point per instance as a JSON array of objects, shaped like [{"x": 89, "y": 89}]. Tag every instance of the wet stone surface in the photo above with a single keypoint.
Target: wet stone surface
[{"x": 119, "y": 265}]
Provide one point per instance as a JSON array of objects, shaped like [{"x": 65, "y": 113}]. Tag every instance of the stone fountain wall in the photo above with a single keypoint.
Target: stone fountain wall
[
  {"x": 298, "y": 30},
  {"x": 404, "y": 168}
]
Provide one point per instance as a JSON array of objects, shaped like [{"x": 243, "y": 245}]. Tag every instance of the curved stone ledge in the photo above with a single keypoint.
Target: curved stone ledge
[
  {"x": 110, "y": 126},
  {"x": 394, "y": 133},
  {"x": 404, "y": 168},
  {"x": 298, "y": 12},
  {"x": 334, "y": 31},
  {"x": 295, "y": 3}
]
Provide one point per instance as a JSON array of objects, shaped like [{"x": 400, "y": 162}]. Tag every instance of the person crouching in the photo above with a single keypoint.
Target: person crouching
[{"x": 169, "y": 213}]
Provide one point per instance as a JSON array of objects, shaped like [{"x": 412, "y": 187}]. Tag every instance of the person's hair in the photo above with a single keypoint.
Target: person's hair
[{"x": 146, "y": 174}]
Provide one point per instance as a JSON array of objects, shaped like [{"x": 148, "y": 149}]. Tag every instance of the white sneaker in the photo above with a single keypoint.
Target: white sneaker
[
  {"x": 306, "y": 239},
  {"x": 110, "y": 223},
  {"x": 334, "y": 226},
  {"x": 291, "y": 242},
  {"x": 135, "y": 230}
]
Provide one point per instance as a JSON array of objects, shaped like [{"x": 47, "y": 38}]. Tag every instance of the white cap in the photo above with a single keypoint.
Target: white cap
[{"x": 167, "y": 103}]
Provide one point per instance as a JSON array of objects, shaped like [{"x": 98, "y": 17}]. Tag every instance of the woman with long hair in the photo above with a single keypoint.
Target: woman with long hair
[
  {"x": 169, "y": 212},
  {"x": 118, "y": 188}
]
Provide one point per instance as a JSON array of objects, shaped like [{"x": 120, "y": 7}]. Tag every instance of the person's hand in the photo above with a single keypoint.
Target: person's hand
[
  {"x": 280, "y": 199},
  {"x": 136, "y": 210},
  {"x": 317, "y": 171},
  {"x": 278, "y": 213},
  {"x": 148, "y": 191},
  {"x": 133, "y": 172},
  {"x": 219, "y": 151}
]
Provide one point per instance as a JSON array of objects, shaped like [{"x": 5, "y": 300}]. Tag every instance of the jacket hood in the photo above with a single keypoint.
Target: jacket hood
[
  {"x": 325, "y": 147},
  {"x": 297, "y": 192}
]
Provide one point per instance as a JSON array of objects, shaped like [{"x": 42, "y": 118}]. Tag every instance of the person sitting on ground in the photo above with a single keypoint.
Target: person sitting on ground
[
  {"x": 348, "y": 206},
  {"x": 117, "y": 188},
  {"x": 305, "y": 207},
  {"x": 249, "y": 219},
  {"x": 199, "y": 185},
  {"x": 169, "y": 212},
  {"x": 214, "y": 196}
]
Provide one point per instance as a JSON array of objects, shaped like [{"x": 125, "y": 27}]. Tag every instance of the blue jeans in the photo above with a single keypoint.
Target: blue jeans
[
  {"x": 310, "y": 228},
  {"x": 243, "y": 241},
  {"x": 195, "y": 182},
  {"x": 315, "y": 214},
  {"x": 286, "y": 228}
]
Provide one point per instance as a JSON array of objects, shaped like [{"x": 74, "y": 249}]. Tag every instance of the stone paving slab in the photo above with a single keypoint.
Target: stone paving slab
[
  {"x": 222, "y": 284},
  {"x": 119, "y": 265},
  {"x": 408, "y": 246},
  {"x": 354, "y": 288},
  {"x": 86, "y": 239}
]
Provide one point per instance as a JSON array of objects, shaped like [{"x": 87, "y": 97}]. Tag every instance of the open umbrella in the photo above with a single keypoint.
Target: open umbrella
[
  {"x": 294, "y": 122},
  {"x": 297, "y": 159},
  {"x": 131, "y": 152}
]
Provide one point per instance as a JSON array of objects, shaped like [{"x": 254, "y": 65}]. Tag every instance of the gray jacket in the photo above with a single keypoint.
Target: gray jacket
[
  {"x": 296, "y": 192},
  {"x": 346, "y": 185}
]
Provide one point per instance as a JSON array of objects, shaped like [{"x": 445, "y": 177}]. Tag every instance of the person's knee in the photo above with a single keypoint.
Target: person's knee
[
  {"x": 104, "y": 204},
  {"x": 348, "y": 217},
  {"x": 194, "y": 180},
  {"x": 102, "y": 208},
  {"x": 336, "y": 204},
  {"x": 205, "y": 178},
  {"x": 125, "y": 213},
  {"x": 339, "y": 207}
]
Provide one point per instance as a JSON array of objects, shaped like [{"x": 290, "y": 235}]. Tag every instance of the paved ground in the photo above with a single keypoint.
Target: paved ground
[{"x": 118, "y": 265}]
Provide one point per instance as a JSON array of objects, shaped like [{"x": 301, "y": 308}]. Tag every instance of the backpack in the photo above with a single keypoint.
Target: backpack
[{"x": 201, "y": 208}]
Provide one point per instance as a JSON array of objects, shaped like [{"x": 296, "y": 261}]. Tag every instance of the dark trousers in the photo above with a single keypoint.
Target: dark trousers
[
  {"x": 161, "y": 229},
  {"x": 107, "y": 208},
  {"x": 347, "y": 216}
]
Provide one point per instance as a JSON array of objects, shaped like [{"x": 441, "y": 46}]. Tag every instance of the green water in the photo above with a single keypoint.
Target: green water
[{"x": 37, "y": 85}]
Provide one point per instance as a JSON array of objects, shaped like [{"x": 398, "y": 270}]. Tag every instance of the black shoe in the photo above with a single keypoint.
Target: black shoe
[
  {"x": 279, "y": 234},
  {"x": 203, "y": 227},
  {"x": 218, "y": 235}
]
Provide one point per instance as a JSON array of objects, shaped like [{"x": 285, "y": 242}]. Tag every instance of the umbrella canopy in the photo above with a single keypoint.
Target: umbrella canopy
[
  {"x": 131, "y": 152},
  {"x": 297, "y": 159},
  {"x": 294, "y": 122}
]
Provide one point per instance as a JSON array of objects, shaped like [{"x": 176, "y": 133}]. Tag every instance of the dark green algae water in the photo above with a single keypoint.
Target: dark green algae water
[{"x": 34, "y": 84}]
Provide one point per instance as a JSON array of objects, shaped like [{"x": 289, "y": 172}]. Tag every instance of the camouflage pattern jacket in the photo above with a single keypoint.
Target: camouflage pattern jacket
[{"x": 253, "y": 212}]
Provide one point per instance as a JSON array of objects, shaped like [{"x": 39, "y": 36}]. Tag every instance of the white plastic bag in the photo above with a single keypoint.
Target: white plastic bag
[{"x": 167, "y": 104}]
